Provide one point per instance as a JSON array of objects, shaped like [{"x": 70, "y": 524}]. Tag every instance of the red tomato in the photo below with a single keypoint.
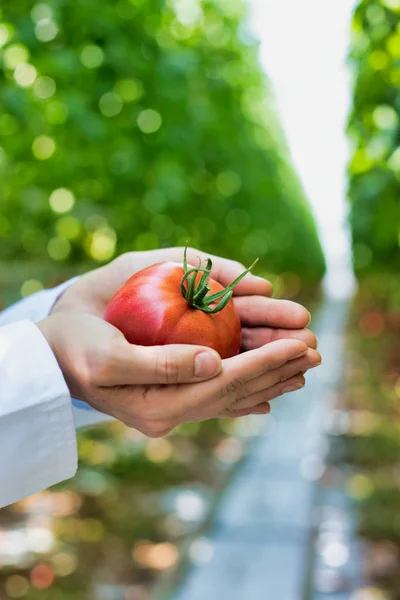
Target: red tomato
[{"x": 151, "y": 310}]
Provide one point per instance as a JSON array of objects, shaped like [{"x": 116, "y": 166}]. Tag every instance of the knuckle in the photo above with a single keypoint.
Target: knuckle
[
  {"x": 102, "y": 370},
  {"x": 167, "y": 368},
  {"x": 228, "y": 411},
  {"x": 287, "y": 372},
  {"x": 238, "y": 265},
  {"x": 87, "y": 372},
  {"x": 246, "y": 307},
  {"x": 122, "y": 260},
  {"x": 282, "y": 376},
  {"x": 236, "y": 385}
]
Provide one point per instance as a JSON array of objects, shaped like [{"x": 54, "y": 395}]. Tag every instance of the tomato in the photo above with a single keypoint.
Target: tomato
[{"x": 168, "y": 303}]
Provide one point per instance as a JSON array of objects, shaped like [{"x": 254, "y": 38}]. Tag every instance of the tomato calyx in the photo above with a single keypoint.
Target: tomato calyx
[{"x": 197, "y": 295}]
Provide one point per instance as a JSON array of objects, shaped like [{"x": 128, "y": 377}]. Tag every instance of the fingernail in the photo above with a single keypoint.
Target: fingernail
[
  {"x": 262, "y": 411},
  {"x": 292, "y": 388},
  {"x": 316, "y": 364},
  {"x": 309, "y": 320},
  {"x": 301, "y": 354},
  {"x": 207, "y": 364}
]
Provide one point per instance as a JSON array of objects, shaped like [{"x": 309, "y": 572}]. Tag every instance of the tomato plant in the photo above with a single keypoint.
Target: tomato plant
[{"x": 169, "y": 303}]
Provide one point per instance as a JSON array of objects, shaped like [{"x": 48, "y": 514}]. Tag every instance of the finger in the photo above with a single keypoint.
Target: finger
[
  {"x": 300, "y": 365},
  {"x": 241, "y": 369},
  {"x": 210, "y": 398},
  {"x": 257, "y": 311},
  {"x": 225, "y": 271},
  {"x": 261, "y": 409},
  {"x": 292, "y": 384},
  {"x": 170, "y": 364},
  {"x": 254, "y": 337}
]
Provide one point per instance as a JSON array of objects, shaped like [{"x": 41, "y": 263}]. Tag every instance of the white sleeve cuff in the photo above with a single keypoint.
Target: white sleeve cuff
[
  {"x": 35, "y": 308},
  {"x": 37, "y": 430}
]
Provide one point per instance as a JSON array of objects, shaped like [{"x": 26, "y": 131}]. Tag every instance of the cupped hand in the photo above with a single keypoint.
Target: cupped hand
[
  {"x": 156, "y": 388},
  {"x": 263, "y": 319}
]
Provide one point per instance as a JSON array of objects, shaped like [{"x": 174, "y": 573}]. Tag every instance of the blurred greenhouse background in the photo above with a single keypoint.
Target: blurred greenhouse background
[
  {"x": 133, "y": 124},
  {"x": 146, "y": 126},
  {"x": 366, "y": 446}
]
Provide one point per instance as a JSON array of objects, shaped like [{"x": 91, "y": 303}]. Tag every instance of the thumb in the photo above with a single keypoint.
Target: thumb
[{"x": 170, "y": 364}]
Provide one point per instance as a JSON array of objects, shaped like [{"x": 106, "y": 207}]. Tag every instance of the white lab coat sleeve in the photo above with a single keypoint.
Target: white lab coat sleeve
[
  {"x": 35, "y": 308},
  {"x": 37, "y": 429}
]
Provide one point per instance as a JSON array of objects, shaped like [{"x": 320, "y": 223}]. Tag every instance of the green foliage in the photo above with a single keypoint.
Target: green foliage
[
  {"x": 370, "y": 440},
  {"x": 374, "y": 129},
  {"x": 136, "y": 124}
]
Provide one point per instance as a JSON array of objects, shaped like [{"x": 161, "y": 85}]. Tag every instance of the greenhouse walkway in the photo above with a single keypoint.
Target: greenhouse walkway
[{"x": 262, "y": 537}]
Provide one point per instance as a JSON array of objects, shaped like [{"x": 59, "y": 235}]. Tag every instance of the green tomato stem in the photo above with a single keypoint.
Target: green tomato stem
[{"x": 197, "y": 296}]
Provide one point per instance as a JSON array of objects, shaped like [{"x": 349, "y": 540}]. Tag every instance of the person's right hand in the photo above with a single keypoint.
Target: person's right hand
[{"x": 154, "y": 389}]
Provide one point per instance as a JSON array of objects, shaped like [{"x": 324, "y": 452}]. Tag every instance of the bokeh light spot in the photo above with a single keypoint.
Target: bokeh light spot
[
  {"x": 61, "y": 200},
  {"x": 42, "y": 576},
  {"x": 189, "y": 12},
  {"x": 394, "y": 160},
  {"x": 68, "y": 228},
  {"x": 44, "y": 87},
  {"x": 146, "y": 241},
  {"x": 15, "y": 55},
  {"x": 369, "y": 593},
  {"x": 360, "y": 487},
  {"x": 378, "y": 60},
  {"x": 103, "y": 244},
  {"x": 58, "y": 248},
  {"x": 5, "y": 34},
  {"x": 372, "y": 324},
  {"x": 43, "y": 147},
  {"x": 25, "y": 75},
  {"x": 361, "y": 162},
  {"x": 158, "y": 450},
  {"x": 16, "y": 586},
  {"x": 41, "y": 11},
  {"x": 228, "y": 183},
  {"x": 110, "y": 104},
  {"x": 385, "y": 117},
  {"x": 92, "y": 530},
  {"x": 201, "y": 551},
  {"x": 392, "y": 4},
  {"x": 393, "y": 45},
  {"x": 64, "y": 563},
  {"x": 129, "y": 90},
  {"x": 335, "y": 553},
  {"x": 149, "y": 121},
  {"x": 92, "y": 56},
  {"x": 161, "y": 557},
  {"x": 31, "y": 286},
  {"x": 46, "y": 30},
  {"x": 229, "y": 450}
]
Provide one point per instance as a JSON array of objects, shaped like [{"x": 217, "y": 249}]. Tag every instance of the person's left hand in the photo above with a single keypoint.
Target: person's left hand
[{"x": 263, "y": 319}]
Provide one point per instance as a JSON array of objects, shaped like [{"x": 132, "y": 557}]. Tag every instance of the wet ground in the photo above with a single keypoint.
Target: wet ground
[{"x": 261, "y": 544}]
